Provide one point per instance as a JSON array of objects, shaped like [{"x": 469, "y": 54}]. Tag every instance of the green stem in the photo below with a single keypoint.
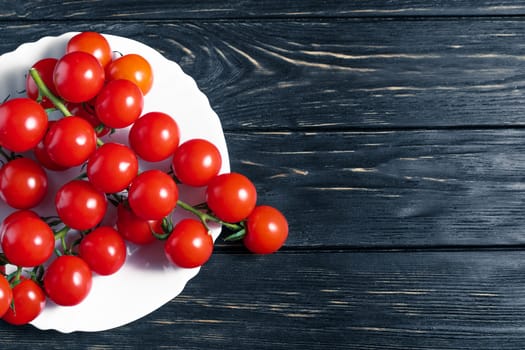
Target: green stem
[
  {"x": 44, "y": 91},
  {"x": 236, "y": 236},
  {"x": 15, "y": 277},
  {"x": 62, "y": 232},
  {"x": 205, "y": 217},
  {"x": 61, "y": 235}
]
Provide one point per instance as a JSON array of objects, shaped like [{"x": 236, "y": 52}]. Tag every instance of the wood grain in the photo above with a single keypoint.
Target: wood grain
[
  {"x": 369, "y": 300},
  {"x": 294, "y": 302},
  {"x": 372, "y": 74},
  {"x": 297, "y": 75},
  {"x": 190, "y": 10},
  {"x": 421, "y": 188},
  {"x": 172, "y": 10}
]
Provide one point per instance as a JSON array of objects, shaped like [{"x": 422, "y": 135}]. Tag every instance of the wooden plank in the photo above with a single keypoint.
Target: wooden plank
[
  {"x": 441, "y": 300},
  {"x": 271, "y": 302},
  {"x": 373, "y": 74},
  {"x": 381, "y": 300},
  {"x": 390, "y": 188},
  {"x": 422, "y": 8},
  {"x": 384, "y": 300},
  {"x": 170, "y": 10},
  {"x": 298, "y": 75}
]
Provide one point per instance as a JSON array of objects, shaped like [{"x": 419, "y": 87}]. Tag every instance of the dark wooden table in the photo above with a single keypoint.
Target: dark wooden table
[{"x": 391, "y": 134}]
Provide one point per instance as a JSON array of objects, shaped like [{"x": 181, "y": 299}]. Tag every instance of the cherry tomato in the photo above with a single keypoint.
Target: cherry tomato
[
  {"x": 23, "y": 183},
  {"x": 26, "y": 239},
  {"x": 93, "y": 43},
  {"x": 17, "y": 214},
  {"x": 152, "y": 195},
  {"x": 23, "y": 123},
  {"x": 28, "y": 302},
  {"x": 231, "y": 196},
  {"x": 119, "y": 103},
  {"x": 80, "y": 205},
  {"x": 132, "y": 67},
  {"x": 78, "y": 76},
  {"x": 266, "y": 230},
  {"x": 70, "y": 141},
  {"x": 134, "y": 229},
  {"x": 42, "y": 156},
  {"x": 189, "y": 245},
  {"x": 112, "y": 167},
  {"x": 154, "y": 136},
  {"x": 6, "y": 295},
  {"x": 104, "y": 250},
  {"x": 67, "y": 280},
  {"x": 45, "y": 68},
  {"x": 196, "y": 162}
]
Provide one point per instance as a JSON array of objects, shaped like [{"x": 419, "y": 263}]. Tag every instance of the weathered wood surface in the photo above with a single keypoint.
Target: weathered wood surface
[
  {"x": 295, "y": 302},
  {"x": 298, "y": 75},
  {"x": 392, "y": 136},
  {"x": 186, "y": 9},
  {"x": 342, "y": 300},
  {"x": 392, "y": 188}
]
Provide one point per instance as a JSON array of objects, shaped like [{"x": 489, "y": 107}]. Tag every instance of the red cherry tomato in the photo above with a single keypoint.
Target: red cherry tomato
[
  {"x": 78, "y": 76},
  {"x": 42, "y": 156},
  {"x": 266, "y": 230},
  {"x": 132, "y": 67},
  {"x": 28, "y": 302},
  {"x": 45, "y": 68},
  {"x": 112, "y": 167},
  {"x": 23, "y": 123},
  {"x": 43, "y": 159},
  {"x": 231, "y": 197},
  {"x": 154, "y": 136},
  {"x": 67, "y": 280},
  {"x": 196, "y": 162},
  {"x": 15, "y": 216},
  {"x": 119, "y": 103},
  {"x": 134, "y": 229},
  {"x": 93, "y": 43},
  {"x": 23, "y": 183},
  {"x": 70, "y": 141},
  {"x": 6, "y": 295},
  {"x": 26, "y": 239},
  {"x": 152, "y": 195},
  {"x": 189, "y": 245},
  {"x": 79, "y": 205},
  {"x": 104, "y": 250}
]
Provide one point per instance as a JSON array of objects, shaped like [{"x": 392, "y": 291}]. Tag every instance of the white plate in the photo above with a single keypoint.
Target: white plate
[{"x": 147, "y": 280}]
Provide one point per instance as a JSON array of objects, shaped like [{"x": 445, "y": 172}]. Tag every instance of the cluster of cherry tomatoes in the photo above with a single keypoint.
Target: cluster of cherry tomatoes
[{"x": 97, "y": 93}]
